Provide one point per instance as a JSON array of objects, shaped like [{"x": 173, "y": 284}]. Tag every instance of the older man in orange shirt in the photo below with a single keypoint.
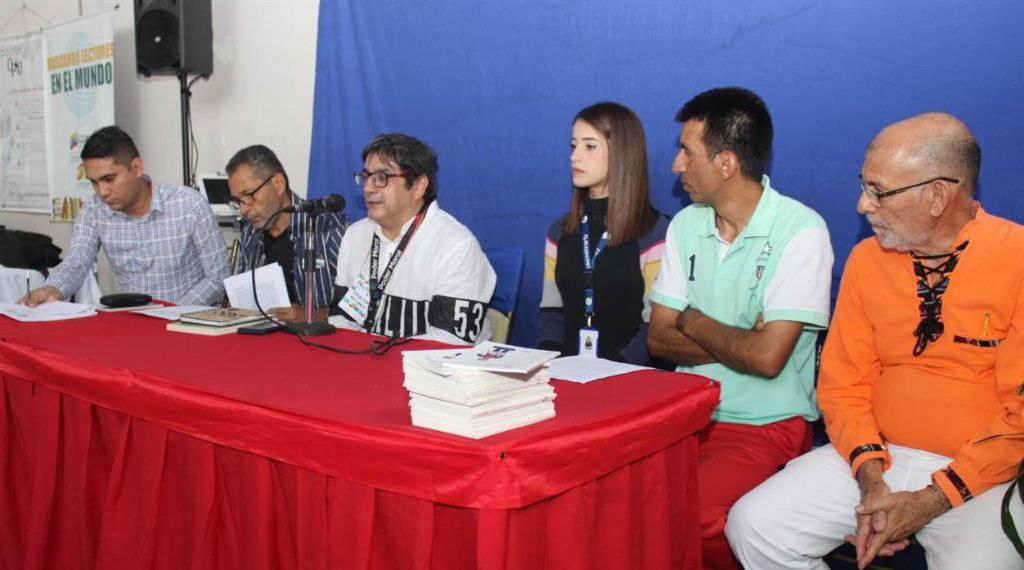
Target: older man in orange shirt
[{"x": 919, "y": 377}]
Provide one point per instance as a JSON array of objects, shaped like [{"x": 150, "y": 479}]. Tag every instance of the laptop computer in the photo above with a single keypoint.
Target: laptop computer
[{"x": 215, "y": 188}]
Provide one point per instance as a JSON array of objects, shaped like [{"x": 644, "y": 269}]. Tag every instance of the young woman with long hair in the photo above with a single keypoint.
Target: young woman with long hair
[{"x": 603, "y": 256}]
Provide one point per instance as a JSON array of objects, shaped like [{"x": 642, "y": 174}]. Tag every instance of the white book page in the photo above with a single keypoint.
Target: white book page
[{"x": 270, "y": 286}]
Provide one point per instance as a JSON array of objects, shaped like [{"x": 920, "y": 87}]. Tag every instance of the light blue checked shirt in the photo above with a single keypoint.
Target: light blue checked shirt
[{"x": 174, "y": 253}]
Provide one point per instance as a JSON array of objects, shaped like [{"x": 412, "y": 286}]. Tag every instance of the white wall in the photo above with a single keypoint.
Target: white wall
[{"x": 261, "y": 91}]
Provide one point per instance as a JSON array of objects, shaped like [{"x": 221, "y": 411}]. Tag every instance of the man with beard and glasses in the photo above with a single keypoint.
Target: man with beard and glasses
[
  {"x": 919, "y": 376},
  {"x": 259, "y": 188}
]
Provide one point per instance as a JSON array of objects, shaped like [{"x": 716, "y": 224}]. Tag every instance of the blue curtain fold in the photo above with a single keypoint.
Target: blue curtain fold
[{"x": 493, "y": 87}]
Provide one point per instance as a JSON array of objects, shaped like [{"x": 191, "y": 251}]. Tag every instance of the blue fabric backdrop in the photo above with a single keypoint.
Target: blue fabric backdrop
[{"x": 493, "y": 87}]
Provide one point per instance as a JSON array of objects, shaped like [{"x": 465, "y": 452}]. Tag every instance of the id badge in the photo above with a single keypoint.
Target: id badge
[
  {"x": 356, "y": 302},
  {"x": 588, "y": 342}
]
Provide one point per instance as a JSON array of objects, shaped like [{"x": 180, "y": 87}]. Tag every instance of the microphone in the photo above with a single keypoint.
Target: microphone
[{"x": 329, "y": 203}]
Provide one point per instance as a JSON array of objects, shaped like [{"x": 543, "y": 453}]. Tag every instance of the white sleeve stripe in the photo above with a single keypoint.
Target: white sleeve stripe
[
  {"x": 671, "y": 281},
  {"x": 803, "y": 278}
]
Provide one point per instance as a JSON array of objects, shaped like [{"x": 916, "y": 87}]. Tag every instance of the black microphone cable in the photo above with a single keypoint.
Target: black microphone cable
[
  {"x": 377, "y": 347},
  {"x": 252, "y": 273}
]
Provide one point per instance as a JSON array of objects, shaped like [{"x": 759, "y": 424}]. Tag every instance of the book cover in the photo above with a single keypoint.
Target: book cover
[
  {"x": 222, "y": 317},
  {"x": 495, "y": 357},
  {"x": 205, "y": 330}
]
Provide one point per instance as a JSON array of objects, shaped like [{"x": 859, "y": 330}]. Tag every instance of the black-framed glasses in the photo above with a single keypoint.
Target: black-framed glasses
[
  {"x": 379, "y": 178},
  {"x": 876, "y": 196},
  {"x": 246, "y": 198}
]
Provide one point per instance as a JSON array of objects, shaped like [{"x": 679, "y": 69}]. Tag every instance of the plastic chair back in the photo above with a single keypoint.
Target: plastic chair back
[{"x": 507, "y": 263}]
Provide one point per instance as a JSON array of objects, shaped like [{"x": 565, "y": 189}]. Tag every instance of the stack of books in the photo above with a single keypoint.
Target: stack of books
[{"x": 480, "y": 391}]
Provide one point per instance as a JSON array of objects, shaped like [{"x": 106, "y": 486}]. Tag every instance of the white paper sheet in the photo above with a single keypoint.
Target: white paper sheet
[
  {"x": 583, "y": 369},
  {"x": 52, "y": 311},
  {"x": 173, "y": 313},
  {"x": 270, "y": 286}
]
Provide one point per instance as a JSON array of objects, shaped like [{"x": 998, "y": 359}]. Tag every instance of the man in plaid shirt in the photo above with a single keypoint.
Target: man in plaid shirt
[{"x": 161, "y": 239}]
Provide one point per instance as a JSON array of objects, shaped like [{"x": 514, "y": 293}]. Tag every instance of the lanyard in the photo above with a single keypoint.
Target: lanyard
[
  {"x": 589, "y": 261},
  {"x": 377, "y": 285}
]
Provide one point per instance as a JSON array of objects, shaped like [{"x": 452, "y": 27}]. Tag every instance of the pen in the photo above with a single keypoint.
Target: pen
[
  {"x": 984, "y": 325},
  {"x": 28, "y": 284}
]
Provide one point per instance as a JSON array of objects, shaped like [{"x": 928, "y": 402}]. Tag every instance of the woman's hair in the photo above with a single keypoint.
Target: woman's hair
[{"x": 629, "y": 205}]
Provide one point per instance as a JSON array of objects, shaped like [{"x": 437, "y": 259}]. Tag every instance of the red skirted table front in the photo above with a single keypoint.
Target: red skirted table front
[{"x": 123, "y": 445}]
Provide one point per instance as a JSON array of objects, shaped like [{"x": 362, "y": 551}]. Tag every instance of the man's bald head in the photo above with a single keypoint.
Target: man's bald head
[{"x": 936, "y": 144}]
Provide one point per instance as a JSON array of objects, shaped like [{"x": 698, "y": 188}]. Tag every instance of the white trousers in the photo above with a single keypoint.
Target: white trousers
[{"x": 803, "y": 512}]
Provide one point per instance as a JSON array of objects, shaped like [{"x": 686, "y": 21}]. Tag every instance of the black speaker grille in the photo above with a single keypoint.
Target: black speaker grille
[{"x": 156, "y": 40}]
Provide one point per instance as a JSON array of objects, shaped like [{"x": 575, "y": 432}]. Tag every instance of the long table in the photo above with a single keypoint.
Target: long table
[{"x": 123, "y": 445}]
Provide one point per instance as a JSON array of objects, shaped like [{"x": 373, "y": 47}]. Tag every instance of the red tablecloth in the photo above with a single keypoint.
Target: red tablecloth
[{"x": 124, "y": 445}]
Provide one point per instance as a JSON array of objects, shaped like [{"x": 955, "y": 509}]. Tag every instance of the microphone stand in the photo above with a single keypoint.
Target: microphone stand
[{"x": 310, "y": 327}]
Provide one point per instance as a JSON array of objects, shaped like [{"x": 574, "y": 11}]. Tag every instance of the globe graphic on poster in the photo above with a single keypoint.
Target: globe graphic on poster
[{"x": 80, "y": 100}]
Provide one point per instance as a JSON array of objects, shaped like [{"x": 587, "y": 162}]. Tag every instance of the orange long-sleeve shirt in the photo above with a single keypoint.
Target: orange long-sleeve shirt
[{"x": 959, "y": 398}]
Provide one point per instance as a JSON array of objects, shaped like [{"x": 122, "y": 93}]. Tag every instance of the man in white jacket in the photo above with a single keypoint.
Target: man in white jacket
[{"x": 409, "y": 268}]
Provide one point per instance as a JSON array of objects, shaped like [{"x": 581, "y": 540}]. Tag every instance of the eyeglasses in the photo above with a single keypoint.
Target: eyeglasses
[
  {"x": 379, "y": 178},
  {"x": 876, "y": 197},
  {"x": 246, "y": 198}
]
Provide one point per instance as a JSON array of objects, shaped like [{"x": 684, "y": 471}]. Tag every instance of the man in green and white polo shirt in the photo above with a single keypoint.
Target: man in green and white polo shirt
[{"x": 742, "y": 294}]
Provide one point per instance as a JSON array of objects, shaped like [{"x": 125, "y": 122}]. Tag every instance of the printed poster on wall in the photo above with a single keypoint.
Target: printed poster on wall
[
  {"x": 79, "y": 100},
  {"x": 23, "y": 184}
]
